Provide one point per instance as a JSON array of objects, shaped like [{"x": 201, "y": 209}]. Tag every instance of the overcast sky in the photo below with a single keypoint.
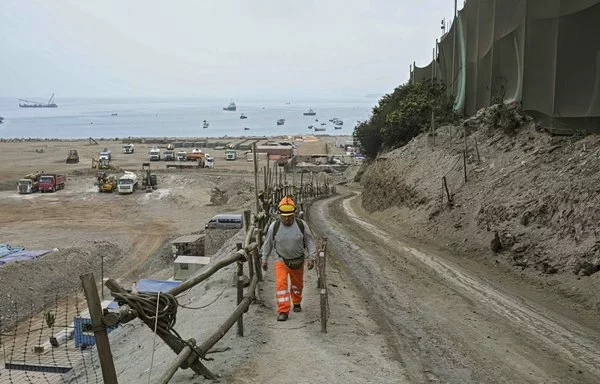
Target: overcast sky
[{"x": 214, "y": 48}]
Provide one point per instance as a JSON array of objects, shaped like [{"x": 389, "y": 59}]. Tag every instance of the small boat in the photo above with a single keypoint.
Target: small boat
[
  {"x": 337, "y": 121},
  {"x": 310, "y": 112},
  {"x": 246, "y": 129},
  {"x": 205, "y": 124},
  {"x": 323, "y": 123},
  {"x": 1, "y": 119},
  {"x": 280, "y": 121},
  {"x": 230, "y": 107},
  {"x": 316, "y": 119},
  {"x": 242, "y": 116},
  {"x": 310, "y": 127},
  {"x": 337, "y": 127},
  {"x": 114, "y": 114},
  {"x": 317, "y": 129}
]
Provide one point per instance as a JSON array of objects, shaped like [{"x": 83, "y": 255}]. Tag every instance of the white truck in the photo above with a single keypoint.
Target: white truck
[
  {"x": 230, "y": 154},
  {"x": 155, "y": 154},
  {"x": 128, "y": 148},
  {"x": 127, "y": 183}
]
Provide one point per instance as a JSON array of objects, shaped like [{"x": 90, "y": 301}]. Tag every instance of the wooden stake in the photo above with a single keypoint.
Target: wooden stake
[
  {"x": 240, "y": 291},
  {"x": 109, "y": 374}
]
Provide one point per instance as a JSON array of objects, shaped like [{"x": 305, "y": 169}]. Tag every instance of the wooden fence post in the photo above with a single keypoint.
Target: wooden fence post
[
  {"x": 465, "y": 164},
  {"x": 109, "y": 374},
  {"x": 323, "y": 292},
  {"x": 240, "y": 291}
]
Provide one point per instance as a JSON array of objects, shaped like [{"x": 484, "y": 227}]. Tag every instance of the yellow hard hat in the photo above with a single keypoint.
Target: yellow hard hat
[{"x": 286, "y": 206}]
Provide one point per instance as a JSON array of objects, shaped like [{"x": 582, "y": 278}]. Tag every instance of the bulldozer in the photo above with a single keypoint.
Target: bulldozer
[
  {"x": 149, "y": 180},
  {"x": 72, "y": 156},
  {"x": 106, "y": 183}
]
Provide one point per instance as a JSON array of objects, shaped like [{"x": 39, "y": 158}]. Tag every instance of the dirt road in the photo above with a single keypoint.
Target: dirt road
[{"x": 452, "y": 321}]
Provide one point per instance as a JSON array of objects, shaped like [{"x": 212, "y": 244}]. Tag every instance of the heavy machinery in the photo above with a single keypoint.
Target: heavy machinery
[
  {"x": 29, "y": 184},
  {"x": 72, "y": 157},
  {"x": 106, "y": 183},
  {"x": 149, "y": 180},
  {"x": 101, "y": 163},
  {"x": 128, "y": 148},
  {"x": 127, "y": 183}
]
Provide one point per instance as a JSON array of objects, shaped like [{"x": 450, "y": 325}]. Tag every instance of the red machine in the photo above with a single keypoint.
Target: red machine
[{"x": 52, "y": 182}]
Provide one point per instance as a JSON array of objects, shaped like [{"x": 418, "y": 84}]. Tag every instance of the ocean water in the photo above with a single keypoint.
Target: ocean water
[{"x": 80, "y": 118}]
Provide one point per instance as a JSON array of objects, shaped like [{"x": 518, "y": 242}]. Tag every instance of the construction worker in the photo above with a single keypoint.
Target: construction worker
[{"x": 289, "y": 241}]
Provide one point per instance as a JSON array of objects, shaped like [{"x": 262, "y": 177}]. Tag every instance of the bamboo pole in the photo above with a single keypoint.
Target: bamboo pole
[
  {"x": 222, "y": 330},
  {"x": 240, "y": 292},
  {"x": 255, "y": 176},
  {"x": 208, "y": 272},
  {"x": 109, "y": 375},
  {"x": 181, "y": 359}
]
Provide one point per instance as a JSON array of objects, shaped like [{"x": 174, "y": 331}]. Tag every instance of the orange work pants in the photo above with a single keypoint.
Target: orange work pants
[{"x": 281, "y": 286}]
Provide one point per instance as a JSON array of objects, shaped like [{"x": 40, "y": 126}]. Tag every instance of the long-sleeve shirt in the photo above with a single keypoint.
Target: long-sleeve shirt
[{"x": 289, "y": 242}]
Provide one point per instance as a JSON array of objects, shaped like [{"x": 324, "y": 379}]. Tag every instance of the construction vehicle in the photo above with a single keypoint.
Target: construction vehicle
[
  {"x": 195, "y": 155},
  {"x": 29, "y": 184},
  {"x": 106, "y": 153},
  {"x": 169, "y": 154},
  {"x": 106, "y": 183},
  {"x": 72, "y": 157},
  {"x": 127, "y": 183},
  {"x": 207, "y": 162},
  {"x": 149, "y": 180},
  {"x": 52, "y": 182},
  {"x": 230, "y": 154},
  {"x": 102, "y": 163},
  {"x": 155, "y": 154},
  {"x": 128, "y": 148},
  {"x": 182, "y": 156}
]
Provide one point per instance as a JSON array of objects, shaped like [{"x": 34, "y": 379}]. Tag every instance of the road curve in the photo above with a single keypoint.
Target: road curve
[{"x": 446, "y": 322}]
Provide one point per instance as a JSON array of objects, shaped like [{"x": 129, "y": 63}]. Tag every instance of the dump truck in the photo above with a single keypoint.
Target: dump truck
[
  {"x": 149, "y": 180},
  {"x": 72, "y": 157},
  {"x": 127, "y": 183},
  {"x": 106, "y": 153},
  {"x": 52, "y": 182},
  {"x": 230, "y": 154},
  {"x": 155, "y": 154},
  {"x": 29, "y": 183},
  {"x": 181, "y": 156},
  {"x": 169, "y": 155},
  {"x": 128, "y": 148}
]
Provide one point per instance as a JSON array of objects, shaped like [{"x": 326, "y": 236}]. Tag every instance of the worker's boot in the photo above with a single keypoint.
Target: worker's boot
[
  {"x": 282, "y": 316},
  {"x": 297, "y": 308}
]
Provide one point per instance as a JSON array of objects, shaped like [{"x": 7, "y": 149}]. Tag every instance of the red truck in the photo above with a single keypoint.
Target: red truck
[{"x": 52, "y": 182}]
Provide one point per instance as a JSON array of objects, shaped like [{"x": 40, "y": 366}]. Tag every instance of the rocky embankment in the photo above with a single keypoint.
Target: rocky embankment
[{"x": 530, "y": 201}]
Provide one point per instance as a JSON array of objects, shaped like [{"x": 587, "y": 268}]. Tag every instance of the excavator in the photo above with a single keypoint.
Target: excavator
[
  {"x": 106, "y": 183},
  {"x": 149, "y": 180}
]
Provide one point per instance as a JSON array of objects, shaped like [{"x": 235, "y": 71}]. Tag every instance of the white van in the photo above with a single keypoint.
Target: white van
[{"x": 225, "y": 221}]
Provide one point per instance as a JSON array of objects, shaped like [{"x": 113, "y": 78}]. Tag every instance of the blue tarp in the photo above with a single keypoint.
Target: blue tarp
[
  {"x": 6, "y": 249},
  {"x": 9, "y": 254},
  {"x": 149, "y": 285}
]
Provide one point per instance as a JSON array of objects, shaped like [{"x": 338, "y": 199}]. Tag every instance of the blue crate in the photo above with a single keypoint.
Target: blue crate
[{"x": 83, "y": 333}]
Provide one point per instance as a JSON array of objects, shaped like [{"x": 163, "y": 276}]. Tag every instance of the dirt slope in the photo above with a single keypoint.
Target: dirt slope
[{"x": 539, "y": 193}]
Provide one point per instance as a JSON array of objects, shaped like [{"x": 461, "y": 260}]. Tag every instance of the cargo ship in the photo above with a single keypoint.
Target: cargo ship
[{"x": 34, "y": 104}]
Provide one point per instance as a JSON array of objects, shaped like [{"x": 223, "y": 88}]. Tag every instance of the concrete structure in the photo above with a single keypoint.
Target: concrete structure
[
  {"x": 186, "y": 266},
  {"x": 188, "y": 245}
]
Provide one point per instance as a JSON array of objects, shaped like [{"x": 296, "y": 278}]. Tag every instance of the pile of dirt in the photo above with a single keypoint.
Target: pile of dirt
[
  {"x": 538, "y": 193},
  {"x": 27, "y": 286}
]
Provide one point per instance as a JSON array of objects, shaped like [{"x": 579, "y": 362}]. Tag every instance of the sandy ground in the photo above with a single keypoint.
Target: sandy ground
[{"x": 402, "y": 310}]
